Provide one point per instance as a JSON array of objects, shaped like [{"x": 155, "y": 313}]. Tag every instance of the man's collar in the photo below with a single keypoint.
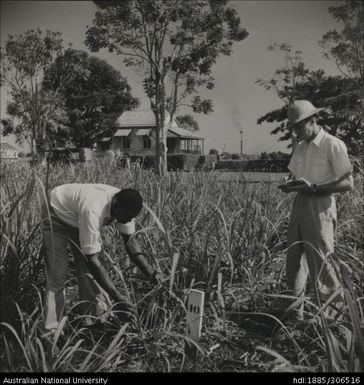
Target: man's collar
[
  {"x": 318, "y": 138},
  {"x": 108, "y": 208},
  {"x": 108, "y": 219}
]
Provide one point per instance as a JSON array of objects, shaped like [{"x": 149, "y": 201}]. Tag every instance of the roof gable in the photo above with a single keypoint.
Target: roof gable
[
  {"x": 146, "y": 118},
  {"x": 182, "y": 132},
  {"x": 136, "y": 118}
]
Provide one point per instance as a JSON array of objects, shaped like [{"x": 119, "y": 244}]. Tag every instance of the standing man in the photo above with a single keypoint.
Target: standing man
[
  {"x": 76, "y": 214},
  {"x": 322, "y": 161}
]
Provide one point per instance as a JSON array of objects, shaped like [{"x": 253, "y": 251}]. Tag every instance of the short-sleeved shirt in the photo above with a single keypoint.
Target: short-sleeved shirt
[
  {"x": 322, "y": 160},
  {"x": 87, "y": 207}
]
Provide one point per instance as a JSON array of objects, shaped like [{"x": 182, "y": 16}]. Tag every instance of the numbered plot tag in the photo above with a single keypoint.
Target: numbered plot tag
[{"x": 194, "y": 314}]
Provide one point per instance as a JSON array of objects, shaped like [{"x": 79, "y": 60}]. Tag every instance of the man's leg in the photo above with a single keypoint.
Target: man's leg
[
  {"x": 319, "y": 234},
  {"x": 55, "y": 242},
  {"x": 296, "y": 266},
  {"x": 92, "y": 300}
]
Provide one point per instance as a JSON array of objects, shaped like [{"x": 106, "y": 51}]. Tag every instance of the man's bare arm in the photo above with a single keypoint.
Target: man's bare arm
[
  {"x": 102, "y": 278},
  {"x": 345, "y": 183},
  {"x": 136, "y": 255}
]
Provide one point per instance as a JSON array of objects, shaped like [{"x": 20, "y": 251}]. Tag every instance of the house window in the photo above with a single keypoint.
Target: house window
[
  {"x": 126, "y": 142},
  {"x": 147, "y": 142},
  {"x": 184, "y": 145}
]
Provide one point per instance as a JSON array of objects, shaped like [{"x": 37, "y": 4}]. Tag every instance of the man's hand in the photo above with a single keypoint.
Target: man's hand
[
  {"x": 297, "y": 185},
  {"x": 102, "y": 277},
  {"x": 157, "y": 278},
  {"x": 137, "y": 257},
  {"x": 285, "y": 188},
  {"x": 123, "y": 311},
  {"x": 304, "y": 189}
]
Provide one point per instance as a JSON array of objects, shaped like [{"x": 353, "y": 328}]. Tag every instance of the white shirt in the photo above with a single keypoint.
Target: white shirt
[
  {"x": 322, "y": 160},
  {"x": 87, "y": 207}
]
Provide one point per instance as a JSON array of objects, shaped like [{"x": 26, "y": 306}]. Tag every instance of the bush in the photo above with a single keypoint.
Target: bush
[
  {"x": 64, "y": 155},
  {"x": 207, "y": 161},
  {"x": 225, "y": 155},
  {"x": 190, "y": 162},
  {"x": 182, "y": 161},
  {"x": 146, "y": 161},
  {"x": 175, "y": 162},
  {"x": 258, "y": 165}
]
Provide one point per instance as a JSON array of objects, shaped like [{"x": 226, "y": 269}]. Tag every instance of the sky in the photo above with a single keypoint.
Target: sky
[{"x": 238, "y": 100}]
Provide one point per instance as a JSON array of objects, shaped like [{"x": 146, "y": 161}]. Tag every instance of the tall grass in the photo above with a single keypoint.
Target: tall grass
[{"x": 195, "y": 228}]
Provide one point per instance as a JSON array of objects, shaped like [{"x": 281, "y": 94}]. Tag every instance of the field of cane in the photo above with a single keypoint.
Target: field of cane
[{"x": 194, "y": 226}]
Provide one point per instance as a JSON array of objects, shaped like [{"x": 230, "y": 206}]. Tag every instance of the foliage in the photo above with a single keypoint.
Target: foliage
[
  {"x": 35, "y": 113},
  {"x": 95, "y": 95},
  {"x": 345, "y": 48},
  {"x": 190, "y": 162},
  {"x": 175, "y": 43},
  {"x": 187, "y": 122},
  {"x": 277, "y": 155},
  {"x": 178, "y": 161},
  {"x": 258, "y": 165},
  {"x": 340, "y": 96},
  {"x": 225, "y": 155},
  {"x": 145, "y": 161},
  {"x": 286, "y": 79}
]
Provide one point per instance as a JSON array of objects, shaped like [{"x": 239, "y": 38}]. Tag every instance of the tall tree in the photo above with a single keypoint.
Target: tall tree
[
  {"x": 94, "y": 96},
  {"x": 287, "y": 79},
  {"x": 345, "y": 48},
  {"x": 285, "y": 84},
  {"x": 173, "y": 42},
  {"x": 340, "y": 94},
  {"x": 33, "y": 112}
]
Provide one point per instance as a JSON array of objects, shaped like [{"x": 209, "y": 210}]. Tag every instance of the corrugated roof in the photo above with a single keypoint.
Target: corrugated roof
[
  {"x": 7, "y": 146},
  {"x": 171, "y": 134},
  {"x": 182, "y": 132},
  {"x": 136, "y": 118},
  {"x": 143, "y": 131},
  {"x": 123, "y": 132},
  {"x": 146, "y": 118}
]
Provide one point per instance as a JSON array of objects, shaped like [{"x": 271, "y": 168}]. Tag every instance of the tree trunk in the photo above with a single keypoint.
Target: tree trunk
[
  {"x": 161, "y": 137},
  {"x": 39, "y": 143},
  {"x": 161, "y": 164},
  {"x": 32, "y": 147},
  {"x": 163, "y": 131}
]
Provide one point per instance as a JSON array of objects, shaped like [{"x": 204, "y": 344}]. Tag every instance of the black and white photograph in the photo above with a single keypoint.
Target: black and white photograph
[{"x": 182, "y": 190}]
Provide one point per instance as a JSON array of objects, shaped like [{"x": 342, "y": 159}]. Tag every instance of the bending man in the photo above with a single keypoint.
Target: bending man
[{"x": 77, "y": 211}]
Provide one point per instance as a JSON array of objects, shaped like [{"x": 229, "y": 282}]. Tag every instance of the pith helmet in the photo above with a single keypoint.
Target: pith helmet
[{"x": 300, "y": 110}]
